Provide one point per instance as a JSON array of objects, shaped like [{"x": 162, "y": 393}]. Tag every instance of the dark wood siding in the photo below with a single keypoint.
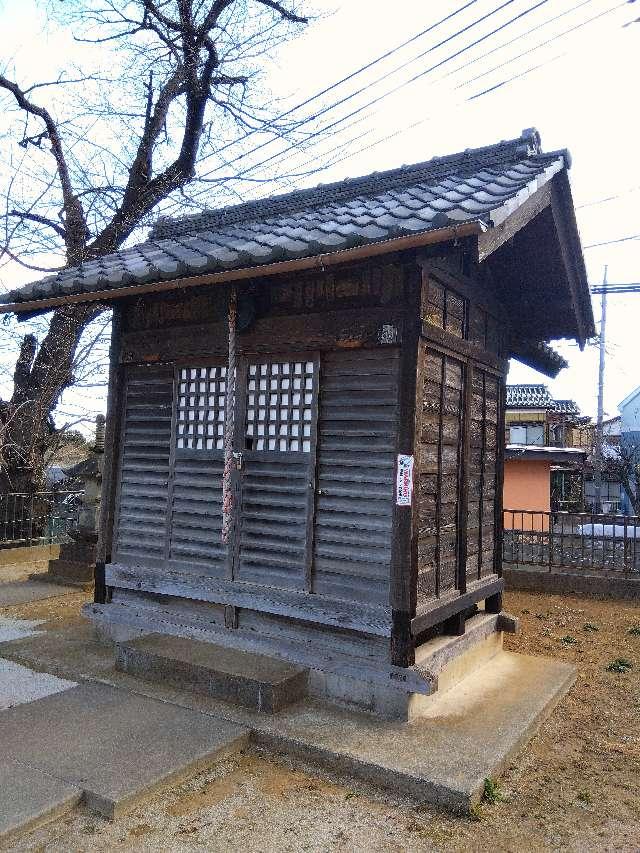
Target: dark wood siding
[
  {"x": 357, "y": 433},
  {"x": 141, "y": 504},
  {"x": 439, "y": 468},
  {"x": 481, "y": 475}
]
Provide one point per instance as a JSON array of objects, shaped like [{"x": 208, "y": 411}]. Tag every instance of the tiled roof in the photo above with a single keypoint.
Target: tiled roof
[
  {"x": 566, "y": 407},
  {"x": 529, "y": 397},
  {"x": 537, "y": 396},
  {"x": 482, "y": 185}
]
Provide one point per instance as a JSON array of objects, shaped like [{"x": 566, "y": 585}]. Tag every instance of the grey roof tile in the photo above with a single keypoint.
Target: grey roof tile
[{"x": 480, "y": 184}]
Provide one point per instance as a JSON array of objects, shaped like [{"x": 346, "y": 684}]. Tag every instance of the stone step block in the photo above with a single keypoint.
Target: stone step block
[{"x": 254, "y": 681}]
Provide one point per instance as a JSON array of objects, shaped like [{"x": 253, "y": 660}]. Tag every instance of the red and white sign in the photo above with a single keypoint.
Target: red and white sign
[{"x": 404, "y": 480}]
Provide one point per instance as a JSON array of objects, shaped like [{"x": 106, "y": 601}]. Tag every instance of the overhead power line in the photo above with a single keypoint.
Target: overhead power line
[
  {"x": 611, "y": 242},
  {"x": 342, "y": 80},
  {"x": 386, "y": 94},
  {"x": 607, "y": 198},
  {"x": 477, "y": 95},
  {"x": 630, "y": 287},
  {"x": 320, "y": 134}
]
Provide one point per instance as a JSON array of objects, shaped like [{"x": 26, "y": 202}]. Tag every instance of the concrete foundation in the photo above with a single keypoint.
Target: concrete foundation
[{"x": 602, "y": 585}]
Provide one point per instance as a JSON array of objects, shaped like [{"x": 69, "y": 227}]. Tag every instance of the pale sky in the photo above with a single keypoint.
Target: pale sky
[{"x": 585, "y": 101}]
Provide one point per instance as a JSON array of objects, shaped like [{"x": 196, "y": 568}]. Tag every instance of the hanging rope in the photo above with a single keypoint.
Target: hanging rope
[{"x": 229, "y": 421}]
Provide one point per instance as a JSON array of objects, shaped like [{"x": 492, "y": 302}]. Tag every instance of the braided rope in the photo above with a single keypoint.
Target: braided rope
[{"x": 229, "y": 421}]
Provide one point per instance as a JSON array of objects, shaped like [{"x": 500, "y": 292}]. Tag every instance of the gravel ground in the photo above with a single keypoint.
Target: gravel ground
[{"x": 574, "y": 788}]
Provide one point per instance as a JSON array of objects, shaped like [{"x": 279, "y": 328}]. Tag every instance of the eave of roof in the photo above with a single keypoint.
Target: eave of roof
[
  {"x": 528, "y": 452},
  {"x": 321, "y": 261},
  {"x": 473, "y": 189}
]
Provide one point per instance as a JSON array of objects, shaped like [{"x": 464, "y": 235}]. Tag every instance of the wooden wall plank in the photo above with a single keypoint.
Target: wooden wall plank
[{"x": 296, "y": 604}]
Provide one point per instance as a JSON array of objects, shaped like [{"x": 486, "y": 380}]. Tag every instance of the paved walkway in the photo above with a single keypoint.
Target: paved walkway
[{"x": 24, "y": 591}]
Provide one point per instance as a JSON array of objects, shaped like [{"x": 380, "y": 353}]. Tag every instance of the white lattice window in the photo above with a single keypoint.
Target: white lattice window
[
  {"x": 201, "y": 408},
  {"x": 281, "y": 405}
]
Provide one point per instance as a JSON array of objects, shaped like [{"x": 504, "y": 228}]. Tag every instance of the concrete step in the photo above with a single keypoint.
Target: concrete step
[{"x": 254, "y": 681}]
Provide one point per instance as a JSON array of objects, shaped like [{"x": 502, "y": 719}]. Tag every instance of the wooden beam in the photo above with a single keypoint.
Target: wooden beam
[
  {"x": 492, "y": 239},
  {"x": 406, "y": 680},
  {"x": 567, "y": 244},
  {"x": 498, "y": 523},
  {"x": 434, "y": 613},
  {"x": 463, "y": 479},
  {"x": 319, "y": 609},
  {"x": 321, "y": 262},
  {"x": 342, "y": 329},
  {"x": 456, "y": 347}
]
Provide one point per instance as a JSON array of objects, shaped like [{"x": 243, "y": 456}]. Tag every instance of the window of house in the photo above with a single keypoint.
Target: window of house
[
  {"x": 527, "y": 434},
  {"x": 280, "y": 405}
]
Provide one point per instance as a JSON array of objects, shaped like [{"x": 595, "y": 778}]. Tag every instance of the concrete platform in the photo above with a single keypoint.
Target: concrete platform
[
  {"x": 113, "y": 745},
  {"x": 30, "y": 798},
  {"x": 471, "y": 732},
  {"x": 254, "y": 681}
]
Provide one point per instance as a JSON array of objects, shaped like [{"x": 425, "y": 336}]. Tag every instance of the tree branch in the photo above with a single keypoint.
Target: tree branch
[
  {"x": 35, "y": 217},
  {"x": 75, "y": 231},
  {"x": 278, "y": 7}
]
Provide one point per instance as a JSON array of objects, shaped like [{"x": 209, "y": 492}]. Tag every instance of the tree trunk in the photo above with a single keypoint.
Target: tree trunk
[{"x": 40, "y": 376}]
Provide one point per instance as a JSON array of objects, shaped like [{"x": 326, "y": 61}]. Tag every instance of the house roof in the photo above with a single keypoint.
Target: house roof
[
  {"x": 566, "y": 407},
  {"x": 529, "y": 397},
  {"x": 629, "y": 398},
  {"x": 537, "y": 396},
  {"x": 482, "y": 186}
]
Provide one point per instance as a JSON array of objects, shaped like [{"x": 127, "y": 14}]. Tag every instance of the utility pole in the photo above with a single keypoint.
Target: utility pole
[{"x": 597, "y": 478}]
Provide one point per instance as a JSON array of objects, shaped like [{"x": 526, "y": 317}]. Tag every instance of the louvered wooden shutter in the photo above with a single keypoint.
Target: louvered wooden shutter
[
  {"x": 195, "y": 496},
  {"x": 276, "y": 511},
  {"x": 356, "y": 456},
  {"x": 141, "y": 506}
]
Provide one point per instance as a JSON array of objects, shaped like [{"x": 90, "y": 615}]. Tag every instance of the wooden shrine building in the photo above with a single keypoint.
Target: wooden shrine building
[{"x": 375, "y": 319}]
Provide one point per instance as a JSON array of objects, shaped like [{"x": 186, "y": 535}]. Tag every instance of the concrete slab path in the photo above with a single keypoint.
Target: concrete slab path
[
  {"x": 25, "y": 591},
  {"x": 114, "y": 745},
  {"x": 29, "y": 797},
  {"x": 19, "y": 684},
  {"x": 18, "y": 629}
]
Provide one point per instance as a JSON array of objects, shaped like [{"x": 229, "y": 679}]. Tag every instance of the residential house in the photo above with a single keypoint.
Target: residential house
[
  {"x": 547, "y": 443},
  {"x": 630, "y": 437}
]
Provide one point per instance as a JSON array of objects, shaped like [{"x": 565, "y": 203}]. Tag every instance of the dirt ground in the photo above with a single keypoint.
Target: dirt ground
[{"x": 576, "y": 787}]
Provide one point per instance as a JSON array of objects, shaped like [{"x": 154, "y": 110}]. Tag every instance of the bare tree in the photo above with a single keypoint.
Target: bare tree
[
  {"x": 624, "y": 466},
  {"x": 94, "y": 152}
]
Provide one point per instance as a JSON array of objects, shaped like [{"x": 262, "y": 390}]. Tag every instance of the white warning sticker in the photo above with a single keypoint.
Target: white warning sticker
[{"x": 404, "y": 480}]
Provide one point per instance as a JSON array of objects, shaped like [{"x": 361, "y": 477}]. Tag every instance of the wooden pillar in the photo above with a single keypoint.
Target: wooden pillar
[
  {"x": 111, "y": 456},
  {"x": 404, "y": 543}
]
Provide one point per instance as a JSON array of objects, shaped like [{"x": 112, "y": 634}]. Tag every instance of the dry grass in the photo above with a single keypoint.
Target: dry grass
[{"x": 574, "y": 788}]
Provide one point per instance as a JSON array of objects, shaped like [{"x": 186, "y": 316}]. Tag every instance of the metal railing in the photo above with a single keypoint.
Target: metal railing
[
  {"x": 572, "y": 541},
  {"x": 38, "y": 518}
]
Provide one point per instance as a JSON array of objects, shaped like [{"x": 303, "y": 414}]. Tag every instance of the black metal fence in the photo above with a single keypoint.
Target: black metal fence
[
  {"x": 572, "y": 541},
  {"x": 38, "y": 518}
]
